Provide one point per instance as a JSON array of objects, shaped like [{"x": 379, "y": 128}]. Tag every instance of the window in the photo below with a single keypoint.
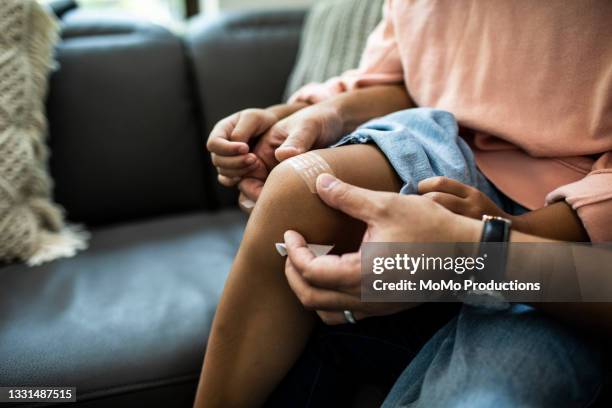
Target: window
[
  {"x": 238, "y": 4},
  {"x": 166, "y": 12},
  {"x": 173, "y": 13}
]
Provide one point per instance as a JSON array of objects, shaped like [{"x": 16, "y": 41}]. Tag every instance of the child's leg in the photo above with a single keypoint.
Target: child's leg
[{"x": 260, "y": 328}]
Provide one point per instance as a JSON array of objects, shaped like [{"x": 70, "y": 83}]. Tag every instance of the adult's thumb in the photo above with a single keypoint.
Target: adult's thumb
[{"x": 355, "y": 201}]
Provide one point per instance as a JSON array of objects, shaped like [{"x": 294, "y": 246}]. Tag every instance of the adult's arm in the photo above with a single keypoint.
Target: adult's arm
[
  {"x": 386, "y": 216},
  {"x": 317, "y": 126},
  {"x": 380, "y": 65},
  {"x": 286, "y": 130},
  {"x": 323, "y": 123}
]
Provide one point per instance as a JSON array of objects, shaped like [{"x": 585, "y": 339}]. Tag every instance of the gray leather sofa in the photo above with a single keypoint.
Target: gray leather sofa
[{"x": 130, "y": 106}]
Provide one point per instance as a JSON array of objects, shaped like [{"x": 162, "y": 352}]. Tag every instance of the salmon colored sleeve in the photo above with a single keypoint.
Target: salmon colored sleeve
[
  {"x": 591, "y": 198},
  {"x": 380, "y": 64}
]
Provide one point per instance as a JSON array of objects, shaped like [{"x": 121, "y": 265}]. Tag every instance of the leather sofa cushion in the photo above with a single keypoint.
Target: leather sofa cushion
[
  {"x": 133, "y": 310},
  {"x": 124, "y": 138}
]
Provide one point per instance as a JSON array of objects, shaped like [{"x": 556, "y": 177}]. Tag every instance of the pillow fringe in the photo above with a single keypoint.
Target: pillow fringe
[{"x": 32, "y": 227}]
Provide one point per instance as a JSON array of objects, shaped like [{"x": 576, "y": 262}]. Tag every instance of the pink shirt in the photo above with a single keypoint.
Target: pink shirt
[{"x": 532, "y": 79}]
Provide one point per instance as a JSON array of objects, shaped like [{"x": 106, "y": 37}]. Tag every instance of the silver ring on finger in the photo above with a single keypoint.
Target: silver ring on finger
[{"x": 350, "y": 317}]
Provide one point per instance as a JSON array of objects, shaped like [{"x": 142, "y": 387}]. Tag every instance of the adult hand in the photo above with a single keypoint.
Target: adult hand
[
  {"x": 331, "y": 284},
  {"x": 392, "y": 217},
  {"x": 313, "y": 127}
]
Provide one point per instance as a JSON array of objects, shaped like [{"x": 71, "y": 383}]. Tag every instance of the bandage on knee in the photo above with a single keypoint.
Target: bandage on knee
[{"x": 309, "y": 166}]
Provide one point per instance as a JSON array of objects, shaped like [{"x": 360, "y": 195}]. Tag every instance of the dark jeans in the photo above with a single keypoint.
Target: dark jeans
[
  {"x": 341, "y": 360},
  {"x": 451, "y": 356}
]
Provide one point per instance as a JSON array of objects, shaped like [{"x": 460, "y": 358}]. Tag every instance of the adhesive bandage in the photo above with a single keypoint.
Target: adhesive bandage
[{"x": 309, "y": 166}]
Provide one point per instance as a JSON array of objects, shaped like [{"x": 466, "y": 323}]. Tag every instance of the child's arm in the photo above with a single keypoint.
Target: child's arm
[{"x": 556, "y": 221}]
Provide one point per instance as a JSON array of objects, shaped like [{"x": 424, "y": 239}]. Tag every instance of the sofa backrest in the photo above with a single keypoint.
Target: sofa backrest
[
  {"x": 131, "y": 105},
  {"x": 241, "y": 60},
  {"x": 124, "y": 135}
]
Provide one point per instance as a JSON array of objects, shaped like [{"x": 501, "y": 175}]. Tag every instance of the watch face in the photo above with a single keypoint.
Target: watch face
[
  {"x": 496, "y": 218},
  {"x": 495, "y": 229}
]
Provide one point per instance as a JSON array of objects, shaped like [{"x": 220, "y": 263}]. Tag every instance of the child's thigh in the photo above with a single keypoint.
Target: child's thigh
[
  {"x": 287, "y": 202},
  {"x": 363, "y": 165}
]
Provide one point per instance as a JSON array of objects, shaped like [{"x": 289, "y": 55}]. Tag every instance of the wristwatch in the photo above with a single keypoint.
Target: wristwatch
[{"x": 495, "y": 230}]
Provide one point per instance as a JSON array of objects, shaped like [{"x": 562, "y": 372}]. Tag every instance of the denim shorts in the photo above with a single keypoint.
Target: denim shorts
[{"x": 423, "y": 142}]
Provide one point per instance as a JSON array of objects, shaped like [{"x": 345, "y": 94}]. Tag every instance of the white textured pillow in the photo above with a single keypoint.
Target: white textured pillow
[
  {"x": 32, "y": 228},
  {"x": 333, "y": 38}
]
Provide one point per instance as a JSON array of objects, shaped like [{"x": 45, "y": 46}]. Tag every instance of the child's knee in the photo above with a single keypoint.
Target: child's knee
[
  {"x": 307, "y": 167},
  {"x": 287, "y": 192},
  {"x": 288, "y": 201}
]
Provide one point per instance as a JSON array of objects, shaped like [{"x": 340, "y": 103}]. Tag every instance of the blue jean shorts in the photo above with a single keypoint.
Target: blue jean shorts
[{"x": 421, "y": 143}]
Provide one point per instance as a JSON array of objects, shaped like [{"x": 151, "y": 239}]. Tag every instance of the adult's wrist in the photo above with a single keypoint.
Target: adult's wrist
[{"x": 464, "y": 229}]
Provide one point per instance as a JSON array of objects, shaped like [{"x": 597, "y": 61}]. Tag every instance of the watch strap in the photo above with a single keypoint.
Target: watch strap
[{"x": 495, "y": 229}]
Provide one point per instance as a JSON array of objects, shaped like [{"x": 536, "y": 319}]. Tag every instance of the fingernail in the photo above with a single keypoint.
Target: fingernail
[
  {"x": 326, "y": 181},
  {"x": 243, "y": 149},
  {"x": 286, "y": 234},
  {"x": 248, "y": 204},
  {"x": 250, "y": 160}
]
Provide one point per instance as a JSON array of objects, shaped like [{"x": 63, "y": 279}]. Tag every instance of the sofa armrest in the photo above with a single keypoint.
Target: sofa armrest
[{"x": 241, "y": 60}]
